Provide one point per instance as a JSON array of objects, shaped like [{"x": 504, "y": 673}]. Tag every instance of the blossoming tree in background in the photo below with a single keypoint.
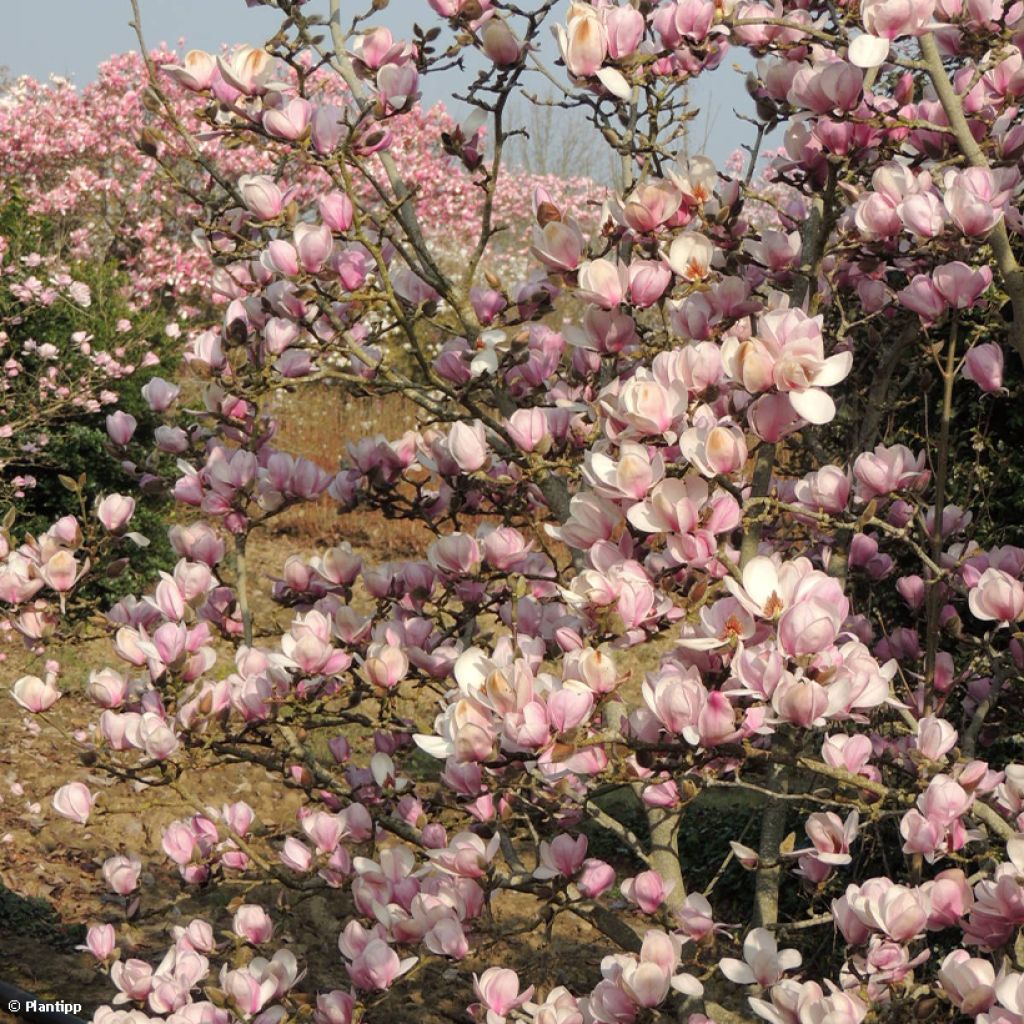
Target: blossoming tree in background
[
  {"x": 85, "y": 158},
  {"x": 699, "y": 522}
]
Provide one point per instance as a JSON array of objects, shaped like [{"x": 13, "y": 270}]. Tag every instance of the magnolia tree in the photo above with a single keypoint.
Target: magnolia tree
[{"x": 698, "y": 524}]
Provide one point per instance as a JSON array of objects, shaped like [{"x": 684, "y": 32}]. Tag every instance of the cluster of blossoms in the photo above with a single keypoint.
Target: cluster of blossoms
[{"x": 666, "y": 430}]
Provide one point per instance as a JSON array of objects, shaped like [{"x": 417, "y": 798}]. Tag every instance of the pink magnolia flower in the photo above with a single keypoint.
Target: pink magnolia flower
[
  {"x": 595, "y": 877},
  {"x": 74, "y": 802},
  {"x": 100, "y": 940},
  {"x": 876, "y": 217},
  {"x": 851, "y": 753},
  {"x": 968, "y": 981},
  {"x": 179, "y": 843},
  {"x": 831, "y": 838},
  {"x": 763, "y": 962},
  {"x": 160, "y": 394},
  {"x": 885, "y": 20},
  {"x": 468, "y": 445},
  {"x": 377, "y": 966},
  {"x": 114, "y": 511},
  {"x": 120, "y": 427},
  {"x": 648, "y": 890},
  {"x": 684, "y": 21},
  {"x": 591, "y": 519},
  {"x": 603, "y": 282},
  {"x": 695, "y": 917},
  {"x": 467, "y": 855},
  {"x": 717, "y": 448},
  {"x": 35, "y": 694},
  {"x": 787, "y": 354},
  {"x": 983, "y": 364},
  {"x": 197, "y": 71},
  {"x": 960, "y": 285},
  {"x": 134, "y": 978},
  {"x": 584, "y": 40},
  {"x": 261, "y": 195},
  {"x": 295, "y": 855},
  {"x": 935, "y": 737},
  {"x": 890, "y": 19},
  {"x": 564, "y": 856},
  {"x": 457, "y": 554},
  {"x": 248, "y": 993},
  {"x": 997, "y": 597},
  {"x": 631, "y": 475},
  {"x": 559, "y": 245},
  {"x": 500, "y": 42},
  {"x": 827, "y": 489},
  {"x": 313, "y": 246},
  {"x": 690, "y": 256},
  {"x": 648, "y": 281},
  {"x": 650, "y": 205},
  {"x": 334, "y": 1007},
  {"x": 122, "y": 873},
  {"x": 801, "y": 701},
  {"x": 896, "y": 910},
  {"x": 289, "y": 121},
  {"x": 385, "y": 666},
  {"x": 61, "y": 571},
  {"x": 923, "y": 214},
  {"x": 887, "y": 470},
  {"x": 248, "y": 70},
  {"x": 498, "y": 991},
  {"x": 238, "y": 817},
  {"x": 336, "y": 211},
  {"x": 252, "y": 923},
  {"x": 280, "y": 257},
  {"x": 973, "y": 200},
  {"x": 625, "y": 28}
]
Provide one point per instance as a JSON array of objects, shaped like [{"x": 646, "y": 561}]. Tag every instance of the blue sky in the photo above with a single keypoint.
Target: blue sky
[{"x": 71, "y": 37}]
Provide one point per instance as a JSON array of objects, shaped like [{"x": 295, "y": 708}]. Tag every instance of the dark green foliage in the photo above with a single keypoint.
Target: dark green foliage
[
  {"x": 78, "y": 442},
  {"x": 20, "y": 915}
]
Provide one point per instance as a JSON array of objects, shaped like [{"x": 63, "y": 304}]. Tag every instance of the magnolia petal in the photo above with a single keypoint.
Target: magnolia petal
[
  {"x": 760, "y": 580},
  {"x": 789, "y": 959},
  {"x": 868, "y": 51},
  {"x": 485, "y": 361},
  {"x": 433, "y": 745},
  {"x": 737, "y": 971},
  {"x": 834, "y": 369},
  {"x": 1015, "y": 851},
  {"x": 472, "y": 667},
  {"x": 835, "y": 859},
  {"x": 688, "y": 985},
  {"x": 615, "y": 83},
  {"x": 701, "y": 643},
  {"x": 813, "y": 405},
  {"x": 641, "y": 516}
]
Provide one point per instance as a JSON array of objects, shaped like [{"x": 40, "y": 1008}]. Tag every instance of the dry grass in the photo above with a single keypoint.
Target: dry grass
[{"x": 319, "y": 422}]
